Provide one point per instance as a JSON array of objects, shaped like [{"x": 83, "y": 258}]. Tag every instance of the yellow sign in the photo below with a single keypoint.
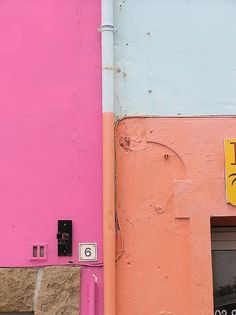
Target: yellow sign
[{"x": 230, "y": 170}]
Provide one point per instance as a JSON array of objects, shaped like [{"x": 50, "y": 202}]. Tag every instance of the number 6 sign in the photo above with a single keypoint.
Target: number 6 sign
[{"x": 87, "y": 251}]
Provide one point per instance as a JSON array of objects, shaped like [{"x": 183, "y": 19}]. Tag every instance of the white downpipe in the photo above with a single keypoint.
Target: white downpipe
[{"x": 107, "y": 29}]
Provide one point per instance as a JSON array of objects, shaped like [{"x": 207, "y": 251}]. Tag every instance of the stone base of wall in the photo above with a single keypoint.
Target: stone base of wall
[{"x": 53, "y": 290}]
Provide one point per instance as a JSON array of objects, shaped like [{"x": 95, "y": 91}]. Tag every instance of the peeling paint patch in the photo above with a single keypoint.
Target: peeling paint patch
[{"x": 125, "y": 143}]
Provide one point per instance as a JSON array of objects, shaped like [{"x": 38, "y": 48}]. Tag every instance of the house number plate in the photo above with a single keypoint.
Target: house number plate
[
  {"x": 224, "y": 312},
  {"x": 88, "y": 252}
]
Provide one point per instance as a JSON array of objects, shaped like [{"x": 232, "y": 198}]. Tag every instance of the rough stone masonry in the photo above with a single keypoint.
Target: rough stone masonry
[{"x": 53, "y": 290}]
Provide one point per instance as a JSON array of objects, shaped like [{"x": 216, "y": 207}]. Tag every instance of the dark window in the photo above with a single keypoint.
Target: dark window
[{"x": 224, "y": 270}]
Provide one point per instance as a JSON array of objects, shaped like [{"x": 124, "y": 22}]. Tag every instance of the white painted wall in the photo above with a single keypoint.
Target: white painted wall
[{"x": 175, "y": 57}]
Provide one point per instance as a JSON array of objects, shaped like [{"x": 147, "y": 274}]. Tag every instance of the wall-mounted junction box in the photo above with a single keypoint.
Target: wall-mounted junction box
[{"x": 64, "y": 238}]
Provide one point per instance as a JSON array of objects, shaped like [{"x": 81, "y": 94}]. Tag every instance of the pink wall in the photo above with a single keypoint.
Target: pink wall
[{"x": 50, "y": 122}]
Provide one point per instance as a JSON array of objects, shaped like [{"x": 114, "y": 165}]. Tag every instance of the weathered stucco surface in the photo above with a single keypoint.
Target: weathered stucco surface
[
  {"x": 175, "y": 57},
  {"x": 46, "y": 291},
  {"x": 170, "y": 182}
]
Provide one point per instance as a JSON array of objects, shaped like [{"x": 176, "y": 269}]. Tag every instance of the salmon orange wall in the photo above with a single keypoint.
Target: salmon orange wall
[
  {"x": 50, "y": 124},
  {"x": 170, "y": 174}
]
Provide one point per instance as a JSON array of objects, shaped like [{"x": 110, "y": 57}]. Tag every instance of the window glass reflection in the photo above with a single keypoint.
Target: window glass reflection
[{"x": 224, "y": 281}]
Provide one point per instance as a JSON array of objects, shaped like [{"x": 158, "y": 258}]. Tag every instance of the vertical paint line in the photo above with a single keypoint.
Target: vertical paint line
[
  {"x": 107, "y": 29},
  {"x": 109, "y": 213}
]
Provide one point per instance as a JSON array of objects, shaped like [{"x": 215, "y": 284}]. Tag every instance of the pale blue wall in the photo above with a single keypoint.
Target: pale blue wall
[{"x": 175, "y": 57}]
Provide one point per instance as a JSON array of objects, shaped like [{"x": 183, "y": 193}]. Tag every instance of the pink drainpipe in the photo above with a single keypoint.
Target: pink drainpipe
[{"x": 92, "y": 296}]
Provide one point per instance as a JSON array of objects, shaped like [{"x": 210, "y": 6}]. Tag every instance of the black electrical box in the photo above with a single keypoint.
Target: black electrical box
[{"x": 64, "y": 238}]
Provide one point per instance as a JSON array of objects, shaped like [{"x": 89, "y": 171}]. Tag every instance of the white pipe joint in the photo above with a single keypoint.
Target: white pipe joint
[{"x": 107, "y": 28}]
